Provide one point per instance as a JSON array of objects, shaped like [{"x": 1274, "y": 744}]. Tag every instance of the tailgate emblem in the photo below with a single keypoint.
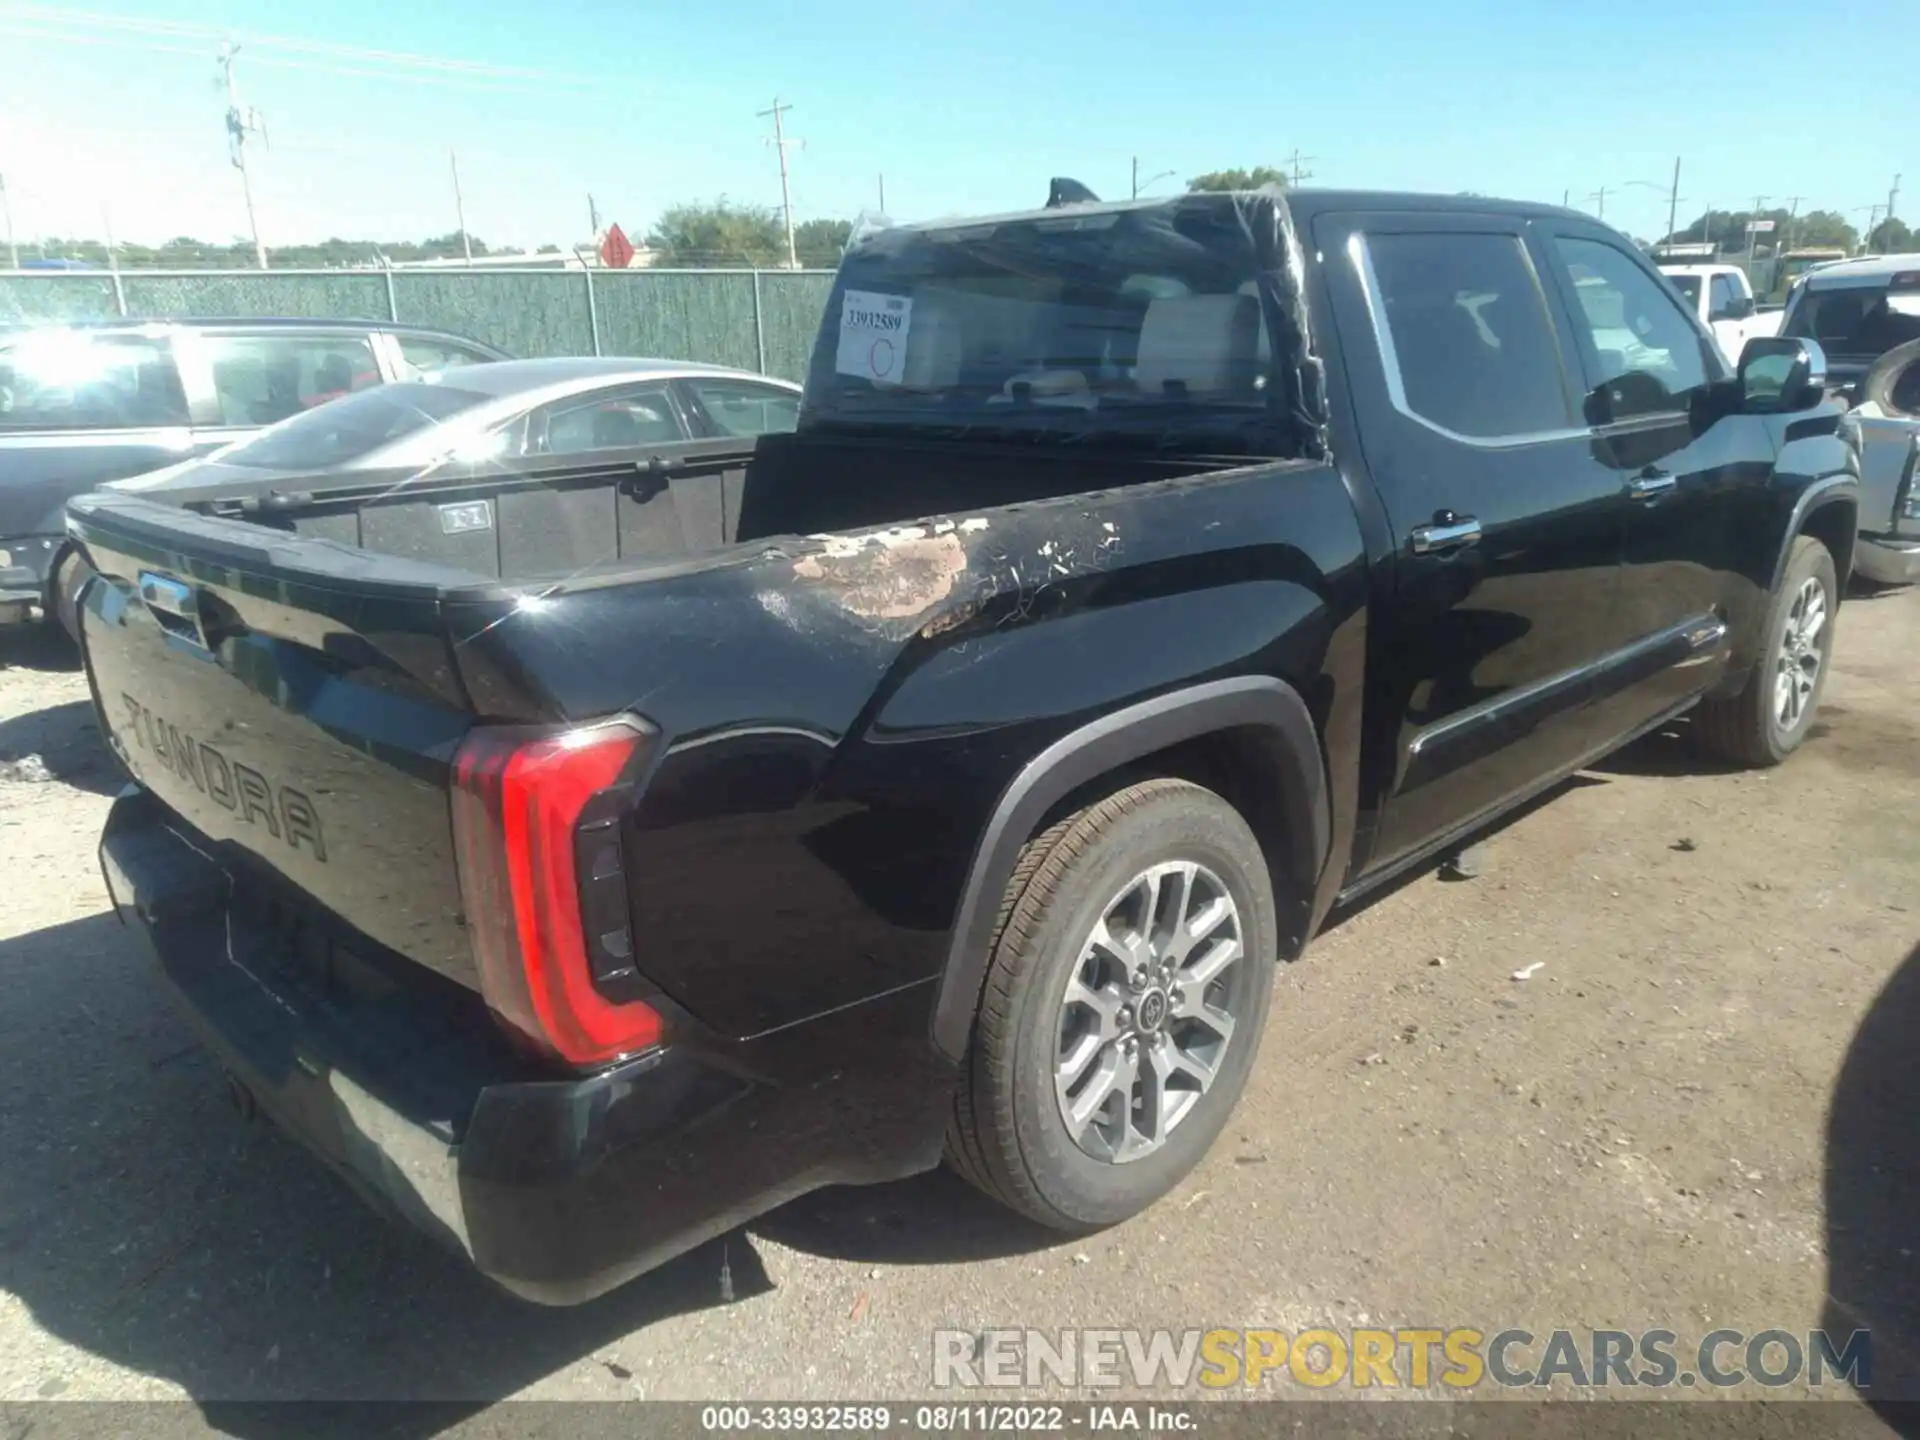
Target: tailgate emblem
[
  {"x": 283, "y": 812},
  {"x": 466, "y": 516}
]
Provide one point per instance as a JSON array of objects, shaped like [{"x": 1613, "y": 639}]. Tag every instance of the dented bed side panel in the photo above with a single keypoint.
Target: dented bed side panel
[{"x": 841, "y": 713}]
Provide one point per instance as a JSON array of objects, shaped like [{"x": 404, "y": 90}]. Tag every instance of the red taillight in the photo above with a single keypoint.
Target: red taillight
[{"x": 523, "y": 811}]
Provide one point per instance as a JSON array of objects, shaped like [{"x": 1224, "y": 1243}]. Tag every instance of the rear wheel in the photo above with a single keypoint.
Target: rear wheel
[
  {"x": 70, "y": 576},
  {"x": 1768, "y": 719},
  {"x": 1123, "y": 1005}
]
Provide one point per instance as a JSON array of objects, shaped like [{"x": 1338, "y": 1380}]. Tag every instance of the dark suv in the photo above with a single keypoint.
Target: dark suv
[{"x": 89, "y": 402}]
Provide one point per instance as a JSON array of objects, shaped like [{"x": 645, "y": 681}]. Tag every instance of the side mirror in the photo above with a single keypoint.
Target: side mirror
[
  {"x": 1741, "y": 308},
  {"x": 1780, "y": 373}
]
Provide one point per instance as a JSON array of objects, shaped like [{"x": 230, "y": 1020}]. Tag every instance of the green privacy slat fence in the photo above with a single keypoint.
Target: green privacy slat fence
[
  {"x": 790, "y": 309},
  {"x": 685, "y": 315},
  {"x": 525, "y": 314},
  {"x": 244, "y": 294},
  {"x": 55, "y": 297},
  {"x": 764, "y": 321}
]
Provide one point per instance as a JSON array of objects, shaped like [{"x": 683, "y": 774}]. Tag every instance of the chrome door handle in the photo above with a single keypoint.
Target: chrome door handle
[
  {"x": 1650, "y": 484},
  {"x": 1428, "y": 539}
]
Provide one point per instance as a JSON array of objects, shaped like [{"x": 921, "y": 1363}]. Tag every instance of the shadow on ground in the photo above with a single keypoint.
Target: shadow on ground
[
  {"x": 60, "y": 743},
  {"x": 1873, "y": 1195},
  {"x": 37, "y": 647},
  {"x": 143, "y": 1222}
]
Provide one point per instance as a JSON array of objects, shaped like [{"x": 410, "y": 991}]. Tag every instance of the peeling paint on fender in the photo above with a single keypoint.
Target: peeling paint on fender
[{"x": 888, "y": 575}]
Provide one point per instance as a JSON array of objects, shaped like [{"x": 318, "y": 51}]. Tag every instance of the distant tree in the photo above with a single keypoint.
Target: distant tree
[
  {"x": 1238, "y": 179},
  {"x": 1890, "y": 236},
  {"x": 1824, "y": 228},
  {"x": 717, "y": 234},
  {"x": 819, "y": 243},
  {"x": 548, "y": 250}
]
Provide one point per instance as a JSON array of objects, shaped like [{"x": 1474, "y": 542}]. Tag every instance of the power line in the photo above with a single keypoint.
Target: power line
[
  {"x": 391, "y": 74},
  {"x": 1295, "y": 161},
  {"x": 189, "y": 31}
]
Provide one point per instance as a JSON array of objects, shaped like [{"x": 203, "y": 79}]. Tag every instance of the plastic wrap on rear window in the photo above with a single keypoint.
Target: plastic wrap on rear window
[{"x": 1172, "y": 323}]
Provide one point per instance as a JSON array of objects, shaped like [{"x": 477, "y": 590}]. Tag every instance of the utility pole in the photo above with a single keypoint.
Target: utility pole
[
  {"x": 6, "y": 208},
  {"x": 1565, "y": 197},
  {"x": 1600, "y": 196},
  {"x": 240, "y": 125},
  {"x": 1793, "y": 214},
  {"x": 1295, "y": 161},
  {"x": 1892, "y": 195},
  {"x": 1673, "y": 200},
  {"x": 780, "y": 144},
  {"x": 1752, "y": 234},
  {"x": 883, "y": 194},
  {"x": 1150, "y": 181},
  {"x": 593, "y": 219},
  {"x": 460, "y": 207}
]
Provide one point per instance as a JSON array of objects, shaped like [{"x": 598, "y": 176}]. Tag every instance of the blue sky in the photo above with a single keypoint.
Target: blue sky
[{"x": 962, "y": 107}]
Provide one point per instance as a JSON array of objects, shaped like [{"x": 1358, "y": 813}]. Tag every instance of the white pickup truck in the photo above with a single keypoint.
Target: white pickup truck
[{"x": 1722, "y": 298}]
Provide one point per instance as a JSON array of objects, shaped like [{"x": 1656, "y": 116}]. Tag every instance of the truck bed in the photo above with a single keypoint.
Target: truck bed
[{"x": 544, "y": 521}]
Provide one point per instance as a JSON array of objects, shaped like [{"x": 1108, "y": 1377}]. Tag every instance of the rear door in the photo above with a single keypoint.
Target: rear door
[
  {"x": 1687, "y": 478},
  {"x": 1507, "y": 536},
  {"x": 240, "y": 380}
]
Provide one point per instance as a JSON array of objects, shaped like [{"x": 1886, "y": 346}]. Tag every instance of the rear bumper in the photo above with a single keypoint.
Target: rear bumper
[
  {"x": 557, "y": 1188},
  {"x": 1887, "y": 561},
  {"x": 23, "y": 574}
]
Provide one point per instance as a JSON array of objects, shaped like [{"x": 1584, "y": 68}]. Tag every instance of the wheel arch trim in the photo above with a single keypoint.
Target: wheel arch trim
[
  {"x": 1833, "y": 490},
  {"x": 1259, "y": 702}
]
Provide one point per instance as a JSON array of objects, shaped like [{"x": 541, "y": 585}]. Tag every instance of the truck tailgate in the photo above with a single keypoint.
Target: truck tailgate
[{"x": 303, "y": 729}]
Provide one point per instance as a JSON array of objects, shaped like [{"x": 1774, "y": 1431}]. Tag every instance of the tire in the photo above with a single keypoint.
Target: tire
[
  {"x": 1752, "y": 728},
  {"x": 1894, "y": 381},
  {"x": 70, "y": 576},
  {"x": 1009, "y": 1135}
]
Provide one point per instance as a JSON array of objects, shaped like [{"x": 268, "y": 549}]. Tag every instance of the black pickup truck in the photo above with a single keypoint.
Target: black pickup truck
[{"x": 944, "y": 778}]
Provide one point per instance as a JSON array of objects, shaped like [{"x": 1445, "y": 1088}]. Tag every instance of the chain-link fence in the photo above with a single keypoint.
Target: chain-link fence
[{"x": 756, "y": 319}]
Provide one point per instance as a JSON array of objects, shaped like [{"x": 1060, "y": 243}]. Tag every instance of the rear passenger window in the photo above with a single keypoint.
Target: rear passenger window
[
  {"x": 1470, "y": 340},
  {"x": 738, "y": 407},
  {"x": 611, "y": 421},
  {"x": 69, "y": 380},
  {"x": 419, "y": 356},
  {"x": 261, "y": 379}
]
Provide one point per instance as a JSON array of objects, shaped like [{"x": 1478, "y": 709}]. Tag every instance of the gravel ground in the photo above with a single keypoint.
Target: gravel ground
[{"x": 1697, "y": 1111}]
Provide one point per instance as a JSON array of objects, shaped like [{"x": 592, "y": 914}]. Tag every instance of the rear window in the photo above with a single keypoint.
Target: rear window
[
  {"x": 1687, "y": 285},
  {"x": 1149, "y": 322},
  {"x": 1862, "y": 323},
  {"x": 351, "y": 428},
  {"x": 72, "y": 380}
]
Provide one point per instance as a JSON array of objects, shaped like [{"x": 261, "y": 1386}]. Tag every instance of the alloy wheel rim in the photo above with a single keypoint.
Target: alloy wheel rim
[
  {"x": 1149, "y": 1010},
  {"x": 1796, "y": 670}
]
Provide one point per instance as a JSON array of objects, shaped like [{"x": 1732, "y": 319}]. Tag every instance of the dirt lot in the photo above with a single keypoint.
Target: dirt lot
[{"x": 1699, "y": 1111}]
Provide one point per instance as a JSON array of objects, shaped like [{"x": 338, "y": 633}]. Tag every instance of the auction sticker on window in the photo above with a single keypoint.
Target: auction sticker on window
[{"x": 873, "y": 335}]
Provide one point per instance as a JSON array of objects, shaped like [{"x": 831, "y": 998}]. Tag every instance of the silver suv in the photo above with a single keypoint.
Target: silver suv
[
  {"x": 88, "y": 402},
  {"x": 1866, "y": 315}
]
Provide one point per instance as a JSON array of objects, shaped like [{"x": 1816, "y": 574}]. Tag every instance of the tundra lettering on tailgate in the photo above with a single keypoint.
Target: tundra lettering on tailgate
[{"x": 286, "y": 813}]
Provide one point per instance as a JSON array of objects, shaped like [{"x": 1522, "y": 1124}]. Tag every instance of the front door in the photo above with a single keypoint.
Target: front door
[
  {"x": 1507, "y": 535},
  {"x": 1689, "y": 474}
]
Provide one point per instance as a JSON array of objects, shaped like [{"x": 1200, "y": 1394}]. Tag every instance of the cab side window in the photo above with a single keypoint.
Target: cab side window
[
  {"x": 1472, "y": 351},
  {"x": 1724, "y": 299},
  {"x": 1645, "y": 352}
]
